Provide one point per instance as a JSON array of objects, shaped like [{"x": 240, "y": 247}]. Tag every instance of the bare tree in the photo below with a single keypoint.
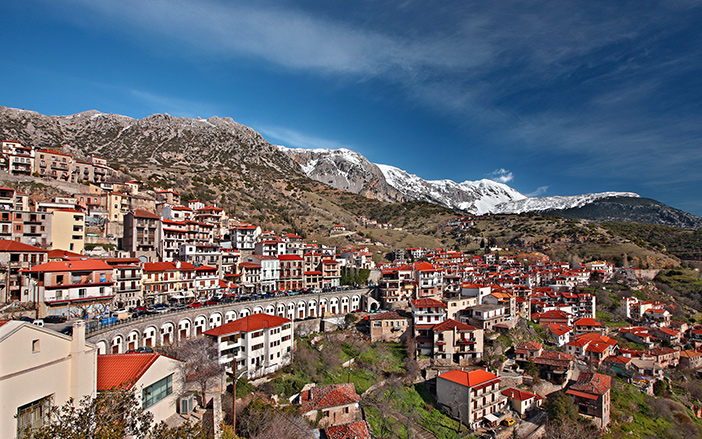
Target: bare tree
[{"x": 201, "y": 359}]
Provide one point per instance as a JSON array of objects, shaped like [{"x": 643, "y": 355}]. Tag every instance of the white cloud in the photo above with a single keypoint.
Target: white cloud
[
  {"x": 501, "y": 175},
  {"x": 539, "y": 191},
  {"x": 296, "y": 139}
]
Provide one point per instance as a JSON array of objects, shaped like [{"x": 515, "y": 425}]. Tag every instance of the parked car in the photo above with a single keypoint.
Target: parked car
[
  {"x": 38, "y": 322},
  {"x": 211, "y": 302},
  {"x": 194, "y": 304},
  {"x": 55, "y": 319}
]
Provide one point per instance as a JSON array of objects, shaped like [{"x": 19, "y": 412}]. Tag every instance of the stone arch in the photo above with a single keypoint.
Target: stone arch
[
  {"x": 301, "y": 310},
  {"x": 184, "y": 328},
  {"x": 291, "y": 311},
  {"x": 345, "y": 302},
  {"x": 133, "y": 340},
  {"x": 167, "y": 333},
  {"x": 215, "y": 319},
  {"x": 312, "y": 308},
  {"x": 355, "y": 303},
  {"x": 117, "y": 345},
  {"x": 334, "y": 305},
  {"x": 280, "y": 311},
  {"x": 323, "y": 306},
  {"x": 258, "y": 309},
  {"x": 229, "y": 316},
  {"x": 200, "y": 324},
  {"x": 101, "y": 347},
  {"x": 244, "y": 312},
  {"x": 150, "y": 336},
  {"x": 270, "y": 309}
]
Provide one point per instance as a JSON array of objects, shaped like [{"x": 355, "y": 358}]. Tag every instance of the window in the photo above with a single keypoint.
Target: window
[
  {"x": 32, "y": 415},
  {"x": 35, "y": 345},
  {"x": 157, "y": 391}
]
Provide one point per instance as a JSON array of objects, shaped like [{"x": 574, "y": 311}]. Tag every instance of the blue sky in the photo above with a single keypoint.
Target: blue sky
[{"x": 550, "y": 97}]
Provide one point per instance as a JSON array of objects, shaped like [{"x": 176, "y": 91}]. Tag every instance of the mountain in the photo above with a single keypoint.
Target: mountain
[
  {"x": 350, "y": 171},
  {"x": 541, "y": 204}
]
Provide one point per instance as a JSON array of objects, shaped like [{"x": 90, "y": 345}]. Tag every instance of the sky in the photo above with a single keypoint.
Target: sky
[{"x": 550, "y": 97}]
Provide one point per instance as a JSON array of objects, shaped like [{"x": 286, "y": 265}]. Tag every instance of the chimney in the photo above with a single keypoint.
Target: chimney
[{"x": 78, "y": 361}]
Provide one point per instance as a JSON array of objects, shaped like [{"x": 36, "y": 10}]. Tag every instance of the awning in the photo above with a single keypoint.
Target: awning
[{"x": 491, "y": 418}]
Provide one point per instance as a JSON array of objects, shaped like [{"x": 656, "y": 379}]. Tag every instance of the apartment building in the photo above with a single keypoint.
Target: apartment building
[
  {"x": 68, "y": 230},
  {"x": 470, "y": 396},
  {"x": 259, "y": 343},
  {"x": 16, "y": 257},
  {"x": 141, "y": 229}
]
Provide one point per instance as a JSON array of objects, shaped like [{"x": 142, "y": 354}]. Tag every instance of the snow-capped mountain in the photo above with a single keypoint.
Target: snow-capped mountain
[
  {"x": 350, "y": 171},
  {"x": 472, "y": 196},
  {"x": 540, "y": 204}
]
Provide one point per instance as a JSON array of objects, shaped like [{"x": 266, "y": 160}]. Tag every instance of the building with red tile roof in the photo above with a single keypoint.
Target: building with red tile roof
[
  {"x": 337, "y": 402},
  {"x": 470, "y": 396},
  {"x": 352, "y": 430},
  {"x": 522, "y": 401},
  {"x": 157, "y": 378},
  {"x": 260, "y": 343},
  {"x": 591, "y": 394}
]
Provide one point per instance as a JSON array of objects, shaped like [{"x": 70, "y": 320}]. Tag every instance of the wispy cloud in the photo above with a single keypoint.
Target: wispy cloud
[
  {"x": 539, "y": 191},
  {"x": 296, "y": 139},
  {"x": 501, "y": 175}
]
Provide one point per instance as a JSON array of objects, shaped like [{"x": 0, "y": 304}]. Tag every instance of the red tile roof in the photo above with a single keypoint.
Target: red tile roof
[
  {"x": 428, "y": 303},
  {"x": 166, "y": 266},
  {"x": 352, "y": 430},
  {"x": 249, "y": 323},
  {"x": 559, "y": 329},
  {"x": 333, "y": 395},
  {"x": 71, "y": 265},
  {"x": 118, "y": 370},
  {"x": 450, "y": 324},
  {"x": 592, "y": 383},
  {"x": 7, "y": 245},
  {"x": 520, "y": 395},
  {"x": 469, "y": 379},
  {"x": 139, "y": 213}
]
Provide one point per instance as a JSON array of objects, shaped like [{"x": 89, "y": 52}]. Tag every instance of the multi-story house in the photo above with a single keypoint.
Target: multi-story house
[
  {"x": 68, "y": 230},
  {"x": 331, "y": 273},
  {"x": 54, "y": 164},
  {"x": 389, "y": 326},
  {"x": 485, "y": 316},
  {"x": 245, "y": 236},
  {"x": 250, "y": 276},
  {"x": 141, "y": 230},
  {"x": 591, "y": 394},
  {"x": 527, "y": 350},
  {"x": 290, "y": 275},
  {"x": 18, "y": 159},
  {"x": 41, "y": 369},
  {"x": 72, "y": 288},
  {"x": 206, "y": 282},
  {"x": 127, "y": 274},
  {"x": 270, "y": 271},
  {"x": 259, "y": 343},
  {"x": 429, "y": 280},
  {"x": 168, "y": 196},
  {"x": 172, "y": 235},
  {"x": 32, "y": 228},
  {"x": 426, "y": 313},
  {"x": 14, "y": 258},
  {"x": 555, "y": 366},
  {"x": 396, "y": 283},
  {"x": 270, "y": 247},
  {"x": 456, "y": 342},
  {"x": 201, "y": 254},
  {"x": 470, "y": 396},
  {"x": 167, "y": 280}
]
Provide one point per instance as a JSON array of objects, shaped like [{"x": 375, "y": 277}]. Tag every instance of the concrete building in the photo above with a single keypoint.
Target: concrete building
[
  {"x": 68, "y": 230},
  {"x": 259, "y": 343},
  {"x": 470, "y": 396},
  {"x": 46, "y": 368},
  {"x": 338, "y": 404},
  {"x": 591, "y": 396}
]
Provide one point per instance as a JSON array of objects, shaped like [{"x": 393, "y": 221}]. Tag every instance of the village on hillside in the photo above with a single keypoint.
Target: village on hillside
[{"x": 494, "y": 334}]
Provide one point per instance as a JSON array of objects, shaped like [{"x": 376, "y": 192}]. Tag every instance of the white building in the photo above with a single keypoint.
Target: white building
[
  {"x": 41, "y": 368},
  {"x": 260, "y": 343}
]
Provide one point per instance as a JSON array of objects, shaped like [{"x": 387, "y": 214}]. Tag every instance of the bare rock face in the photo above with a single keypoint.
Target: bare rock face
[
  {"x": 160, "y": 140},
  {"x": 345, "y": 170}
]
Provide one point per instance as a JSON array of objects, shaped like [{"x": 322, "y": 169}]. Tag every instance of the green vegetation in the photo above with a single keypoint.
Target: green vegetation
[{"x": 685, "y": 244}]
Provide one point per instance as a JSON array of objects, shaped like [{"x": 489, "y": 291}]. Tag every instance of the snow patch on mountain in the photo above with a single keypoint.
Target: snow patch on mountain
[{"x": 540, "y": 204}]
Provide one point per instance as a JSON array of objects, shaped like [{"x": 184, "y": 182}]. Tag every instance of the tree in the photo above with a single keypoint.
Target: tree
[
  {"x": 201, "y": 359},
  {"x": 560, "y": 408},
  {"x": 259, "y": 420},
  {"x": 112, "y": 414}
]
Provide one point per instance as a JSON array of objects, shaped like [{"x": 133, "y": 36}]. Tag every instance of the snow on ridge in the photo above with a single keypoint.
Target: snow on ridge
[{"x": 537, "y": 204}]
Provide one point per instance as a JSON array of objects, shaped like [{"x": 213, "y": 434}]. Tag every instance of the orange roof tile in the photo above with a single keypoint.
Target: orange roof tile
[
  {"x": 352, "y": 430},
  {"x": 7, "y": 245},
  {"x": 118, "y": 370},
  {"x": 469, "y": 379},
  {"x": 333, "y": 395},
  {"x": 71, "y": 265},
  {"x": 249, "y": 323}
]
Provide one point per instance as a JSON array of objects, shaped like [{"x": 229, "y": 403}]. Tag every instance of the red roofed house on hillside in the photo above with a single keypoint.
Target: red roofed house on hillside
[
  {"x": 71, "y": 288},
  {"x": 14, "y": 257},
  {"x": 522, "y": 401},
  {"x": 470, "y": 396},
  {"x": 260, "y": 343},
  {"x": 157, "y": 379},
  {"x": 141, "y": 230},
  {"x": 163, "y": 281},
  {"x": 457, "y": 343},
  {"x": 591, "y": 395},
  {"x": 352, "y": 430},
  {"x": 337, "y": 402}
]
